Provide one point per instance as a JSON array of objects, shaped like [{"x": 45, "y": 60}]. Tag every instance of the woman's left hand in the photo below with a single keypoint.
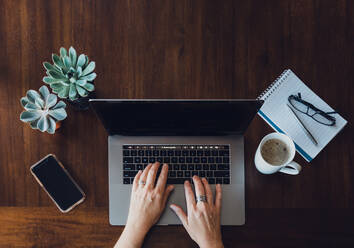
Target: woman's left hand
[{"x": 146, "y": 204}]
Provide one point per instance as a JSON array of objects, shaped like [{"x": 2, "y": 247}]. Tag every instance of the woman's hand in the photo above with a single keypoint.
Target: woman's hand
[
  {"x": 203, "y": 220},
  {"x": 146, "y": 205}
]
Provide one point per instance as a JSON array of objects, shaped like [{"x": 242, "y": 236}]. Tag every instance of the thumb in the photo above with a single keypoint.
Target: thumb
[
  {"x": 167, "y": 193},
  {"x": 180, "y": 213}
]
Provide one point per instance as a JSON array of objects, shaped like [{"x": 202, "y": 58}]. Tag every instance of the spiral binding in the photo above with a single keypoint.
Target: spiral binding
[{"x": 273, "y": 86}]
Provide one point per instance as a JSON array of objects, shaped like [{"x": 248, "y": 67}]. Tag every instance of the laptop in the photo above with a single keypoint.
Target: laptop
[{"x": 194, "y": 137}]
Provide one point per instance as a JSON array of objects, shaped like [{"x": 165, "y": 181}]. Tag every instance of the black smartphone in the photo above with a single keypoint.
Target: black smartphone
[{"x": 57, "y": 182}]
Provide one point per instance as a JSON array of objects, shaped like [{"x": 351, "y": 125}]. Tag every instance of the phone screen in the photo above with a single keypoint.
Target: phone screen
[{"x": 58, "y": 183}]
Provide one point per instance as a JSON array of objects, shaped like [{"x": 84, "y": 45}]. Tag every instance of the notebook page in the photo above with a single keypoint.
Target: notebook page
[{"x": 275, "y": 108}]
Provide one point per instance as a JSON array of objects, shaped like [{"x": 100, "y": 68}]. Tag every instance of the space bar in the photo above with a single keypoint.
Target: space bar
[{"x": 177, "y": 180}]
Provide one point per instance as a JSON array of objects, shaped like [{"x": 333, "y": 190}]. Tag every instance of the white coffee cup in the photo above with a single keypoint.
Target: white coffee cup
[{"x": 288, "y": 167}]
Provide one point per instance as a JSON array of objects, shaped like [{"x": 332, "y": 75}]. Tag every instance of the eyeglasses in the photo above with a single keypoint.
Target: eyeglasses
[{"x": 307, "y": 108}]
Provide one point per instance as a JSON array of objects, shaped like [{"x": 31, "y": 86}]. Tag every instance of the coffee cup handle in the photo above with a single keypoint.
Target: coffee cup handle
[{"x": 292, "y": 168}]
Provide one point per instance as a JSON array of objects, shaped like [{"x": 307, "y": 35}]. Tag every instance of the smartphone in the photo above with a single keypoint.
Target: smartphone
[{"x": 57, "y": 182}]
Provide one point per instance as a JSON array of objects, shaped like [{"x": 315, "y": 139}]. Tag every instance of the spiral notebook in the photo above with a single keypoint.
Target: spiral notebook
[{"x": 275, "y": 112}]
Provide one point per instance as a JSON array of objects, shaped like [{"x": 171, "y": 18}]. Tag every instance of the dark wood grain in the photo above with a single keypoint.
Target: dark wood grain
[{"x": 177, "y": 49}]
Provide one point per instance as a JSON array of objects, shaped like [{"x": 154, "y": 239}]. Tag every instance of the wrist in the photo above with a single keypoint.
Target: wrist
[
  {"x": 214, "y": 244},
  {"x": 134, "y": 235}
]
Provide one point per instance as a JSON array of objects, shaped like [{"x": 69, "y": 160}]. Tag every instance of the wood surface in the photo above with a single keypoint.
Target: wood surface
[{"x": 177, "y": 49}]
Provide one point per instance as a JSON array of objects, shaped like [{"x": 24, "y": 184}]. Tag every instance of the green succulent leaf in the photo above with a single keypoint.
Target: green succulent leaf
[
  {"x": 81, "y": 61},
  {"x": 24, "y": 101},
  {"x": 50, "y": 80},
  {"x": 42, "y": 124},
  {"x": 57, "y": 61},
  {"x": 79, "y": 72},
  {"x": 39, "y": 102},
  {"x": 51, "y": 100},
  {"x": 51, "y": 126},
  {"x": 88, "y": 86},
  {"x": 72, "y": 92},
  {"x": 81, "y": 82},
  {"x": 87, "y": 60},
  {"x": 32, "y": 95},
  {"x": 89, "y": 77},
  {"x": 50, "y": 67},
  {"x": 64, "y": 92},
  {"x": 28, "y": 116},
  {"x": 89, "y": 68},
  {"x": 82, "y": 92},
  {"x": 73, "y": 56},
  {"x": 57, "y": 75},
  {"x": 30, "y": 106},
  {"x": 63, "y": 52},
  {"x": 67, "y": 62},
  {"x": 44, "y": 91},
  {"x": 60, "y": 104},
  {"x": 58, "y": 114}
]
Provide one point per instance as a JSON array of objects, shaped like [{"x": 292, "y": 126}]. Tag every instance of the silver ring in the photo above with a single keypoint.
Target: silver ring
[
  {"x": 201, "y": 198},
  {"x": 142, "y": 182}
]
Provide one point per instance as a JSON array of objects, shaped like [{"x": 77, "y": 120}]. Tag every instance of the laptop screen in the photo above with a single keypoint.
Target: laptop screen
[{"x": 175, "y": 117}]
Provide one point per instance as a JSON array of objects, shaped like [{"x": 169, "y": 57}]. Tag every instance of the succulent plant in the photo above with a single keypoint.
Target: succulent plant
[
  {"x": 70, "y": 76},
  {"x": 42, "y": 110}
]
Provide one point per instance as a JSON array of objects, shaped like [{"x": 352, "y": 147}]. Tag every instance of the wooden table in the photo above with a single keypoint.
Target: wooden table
[{"x": 177, "y": 49}]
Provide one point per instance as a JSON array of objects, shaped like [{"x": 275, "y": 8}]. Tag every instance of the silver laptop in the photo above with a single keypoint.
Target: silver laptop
[{"x": 195, "y": 137}]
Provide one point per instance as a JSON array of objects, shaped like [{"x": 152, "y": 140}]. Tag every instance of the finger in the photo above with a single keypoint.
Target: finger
[
  {"x": 161, "y": 181},
  {"x": 180, "y": 213},
  {"x": 136, "y": 180},
  {"x": 218, "y": 196},
  {"x": 199, "y": 187},
  {"x": 167, "y": 193},
  {"x": 143, "y": 176},
  {"x": 150, "y": 181},
  {"x": 208, "y": 192},
  {"x": 190, "y": 198}
]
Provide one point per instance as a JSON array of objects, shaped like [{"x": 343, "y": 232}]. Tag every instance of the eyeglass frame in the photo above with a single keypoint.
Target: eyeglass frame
[{"x": 316, "y": 110}]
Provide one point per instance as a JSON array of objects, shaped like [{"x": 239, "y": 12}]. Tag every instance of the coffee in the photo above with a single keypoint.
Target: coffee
[{"x": 275, "y": 152}]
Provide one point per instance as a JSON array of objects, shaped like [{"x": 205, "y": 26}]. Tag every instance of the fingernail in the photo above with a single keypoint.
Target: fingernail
[{"x": 172, "y": 207}]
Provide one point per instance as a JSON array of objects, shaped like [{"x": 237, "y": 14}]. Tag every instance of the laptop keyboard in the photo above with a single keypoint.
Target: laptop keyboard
[{"x": 184, "y": 161}]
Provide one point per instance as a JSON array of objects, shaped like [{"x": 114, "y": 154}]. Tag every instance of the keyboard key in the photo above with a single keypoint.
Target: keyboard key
[
  {"x": 176, "y": 166},
  {"x": 126, "y": 153},
  {"x": 126, "y": 180},
  {"x": 145, "y": 165},
  {"x": 203, "y": 160},
  {"x": 177, "y": 180},
  {"x": 133, "y": 153},
  {"x": 181, "y": 160},
  {"x": 128, "y": 160},
  {"x": 129, "y": 167},
  {"x": 166, "y": 160},
  {"x": 187, "y": 174},
  {"x": 198, "y": 167},
  {"x": 209, "y": 174},
  {"x": 223, "y": 166},
  {"x": 221, "y": 174},
  {"x": 156, "y": 153},
  {"x": 171, "y": 174},
  {"x": 178, "y": 153},
  {"x": 226, "y": 160},
  {"x": 174, "y": 160},
  {"x": 199, "y": 153},
  {"x": 183, "y": 167},
  {"x": 137, "y": 160},
  {"x": 193, "y": 153},
  {"x": 179, "y": 173},
  {"x": 191, "y": 167},
  {"x": 223, "y": 153},
  {"x": 219, "y": 180},
  {"x": 148, "y": 153},
  {"x": 194, "y": 173},
  {"x": 139, "y": 166},
  {"x": 185, "y": 153},
  {"x": 163, "y": 153},
  {"x": 141, "y": 153},
  {"x": 214, "y": 153},
  {"x": 170, "y": 153},
  {"x": 213, "y": 167},
  {"x": 131, "y": 180},
  {"x": 211, "y": 180},
  {"x": 211, "y": 160},
  {"x": 196, "y": 160},
  {"x": 145, "y": 160},
  {"x": 189, "y": 160},
  {"x": 226, "y": 180},
  {"x": 201, "y": 173},
  {"x": 152, "y": 160},
  {"x": 129, "y": 173},
  {"x": 205, "y": 167},
  {"x": 160, "y": 160},
  {"x": 218, "y": 160},
  {"x": 207, "y": 153},
  {"x": 170, "y": 167}
]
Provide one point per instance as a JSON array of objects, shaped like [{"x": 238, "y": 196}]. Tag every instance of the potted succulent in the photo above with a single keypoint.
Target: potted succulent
[
  {"x": 71, "y": 77},
  {"x": 42, "y": 110}
]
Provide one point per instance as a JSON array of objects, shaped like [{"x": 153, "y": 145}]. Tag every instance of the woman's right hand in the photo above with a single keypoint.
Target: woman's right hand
[{"x": 203, "y": 220}]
